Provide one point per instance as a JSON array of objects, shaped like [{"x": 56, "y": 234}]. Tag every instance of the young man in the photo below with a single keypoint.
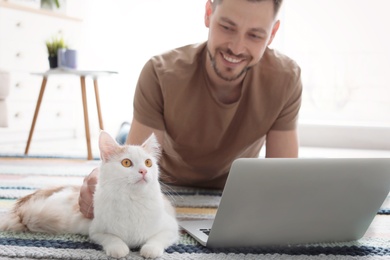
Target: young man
[{"x": 211, "y": 103}]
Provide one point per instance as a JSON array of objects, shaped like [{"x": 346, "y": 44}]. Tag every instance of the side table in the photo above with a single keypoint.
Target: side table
[{"x": 82, "y": 74}]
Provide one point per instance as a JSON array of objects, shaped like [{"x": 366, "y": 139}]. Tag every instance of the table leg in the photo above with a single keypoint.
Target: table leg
[
  {"x": 98, "y": 103},
  {"x": 86, "y": 120},
  {"x": 41, "y": 92}
]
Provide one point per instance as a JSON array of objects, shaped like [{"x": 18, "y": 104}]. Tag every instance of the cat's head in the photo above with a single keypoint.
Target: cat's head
[{"x": 129, "y": 164}]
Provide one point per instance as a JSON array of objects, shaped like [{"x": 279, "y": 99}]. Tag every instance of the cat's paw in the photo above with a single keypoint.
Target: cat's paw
[
  {"x": 117, "y": 250},
  {"x": 151, "y": 251}
]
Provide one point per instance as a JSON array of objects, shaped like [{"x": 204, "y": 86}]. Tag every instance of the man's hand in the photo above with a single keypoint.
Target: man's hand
[{"x": 86, "y": 194}]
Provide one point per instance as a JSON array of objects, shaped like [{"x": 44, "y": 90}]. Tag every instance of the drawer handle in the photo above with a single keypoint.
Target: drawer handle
[
  {"x": 19, "y": 55},
  {"x": 18, "y": 85},
  {"x": 58, "y": 114},
  {"x": 18, "y": 115},
  {"x": 19, "y": 24}
]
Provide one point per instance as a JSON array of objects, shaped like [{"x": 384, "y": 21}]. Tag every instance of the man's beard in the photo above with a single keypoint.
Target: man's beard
[{"x": 219, "y": 73}]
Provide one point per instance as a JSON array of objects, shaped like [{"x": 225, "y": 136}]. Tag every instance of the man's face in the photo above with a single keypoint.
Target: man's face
[{"x": 239, "y": 32}]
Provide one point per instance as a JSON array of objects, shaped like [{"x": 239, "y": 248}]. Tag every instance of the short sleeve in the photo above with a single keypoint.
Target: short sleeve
[
  {"x": 148, "y": 98},
  {"x": 288, "y": 117}
]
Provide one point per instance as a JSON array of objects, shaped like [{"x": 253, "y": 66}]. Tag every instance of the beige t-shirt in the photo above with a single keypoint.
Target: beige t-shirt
[{"x": 202, "y": 135}]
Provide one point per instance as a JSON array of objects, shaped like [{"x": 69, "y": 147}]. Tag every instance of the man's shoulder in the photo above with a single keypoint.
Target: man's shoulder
[
  {"x": 278, "y": 63},
  {"x": 179, "y": 58},
  {"x": 276, "y": 71}
]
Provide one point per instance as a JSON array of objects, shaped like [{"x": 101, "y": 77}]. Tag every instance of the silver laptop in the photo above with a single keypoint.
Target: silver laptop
[{"x": 293, "y": 201}]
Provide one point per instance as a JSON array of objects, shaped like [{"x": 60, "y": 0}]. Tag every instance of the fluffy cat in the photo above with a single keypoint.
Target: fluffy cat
[{"x": 129, "y": 207}]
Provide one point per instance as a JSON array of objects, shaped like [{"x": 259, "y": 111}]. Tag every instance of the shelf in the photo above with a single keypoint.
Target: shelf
[{"x": 5, "y": 4}]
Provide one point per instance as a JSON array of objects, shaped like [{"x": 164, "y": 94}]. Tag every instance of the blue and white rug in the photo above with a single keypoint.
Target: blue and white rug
[{"x": 21, "y": 177}]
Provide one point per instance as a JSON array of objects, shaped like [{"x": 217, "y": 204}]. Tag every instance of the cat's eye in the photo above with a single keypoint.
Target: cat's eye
[
  {"x": 127, "y": 163},
  {"x": 148, "y": 163}
]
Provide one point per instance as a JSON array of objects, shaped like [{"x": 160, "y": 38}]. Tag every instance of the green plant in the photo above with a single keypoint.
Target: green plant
[
  {"x": 55, "y": 43},
  {"x": 51, "y": 2}
]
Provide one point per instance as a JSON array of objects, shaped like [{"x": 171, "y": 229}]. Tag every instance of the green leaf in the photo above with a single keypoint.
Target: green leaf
[{"x": 55, "y": 43}]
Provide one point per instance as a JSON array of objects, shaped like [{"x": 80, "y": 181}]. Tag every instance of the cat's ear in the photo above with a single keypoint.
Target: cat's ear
[
  {"x": 152, "y": 146},
  {"x": 107, "y": 145}
]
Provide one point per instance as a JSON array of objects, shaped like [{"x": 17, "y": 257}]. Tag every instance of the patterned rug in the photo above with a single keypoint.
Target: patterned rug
[{"x": 19, "y": 177}]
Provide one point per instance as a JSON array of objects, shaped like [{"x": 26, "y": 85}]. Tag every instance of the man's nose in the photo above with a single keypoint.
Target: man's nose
[{"x": 237, "y": 45}]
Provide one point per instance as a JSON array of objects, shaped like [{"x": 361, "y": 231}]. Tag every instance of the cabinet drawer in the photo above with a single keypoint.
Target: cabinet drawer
[
  {"x": 23, "y": 87},
  {"x": 17, "y": 25},
  {"x": 20, "y": 114},
  {"x": 34, "y": 28},
  {"x": 26, "y": 87},
  {"x": 51, "y": 116},
  {"x": 56, "y": 116},
  {"x": 20, "y": 56},
  {"x": 65, "y": 89}
]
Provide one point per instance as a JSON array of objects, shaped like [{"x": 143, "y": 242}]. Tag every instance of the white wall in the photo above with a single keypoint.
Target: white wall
[
  {"x": 122, "y": 35},
  {"x": 343, "y": 49}
]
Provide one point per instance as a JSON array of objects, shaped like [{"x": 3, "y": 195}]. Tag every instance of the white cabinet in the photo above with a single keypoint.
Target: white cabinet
[{"x": 23, "y": 34}]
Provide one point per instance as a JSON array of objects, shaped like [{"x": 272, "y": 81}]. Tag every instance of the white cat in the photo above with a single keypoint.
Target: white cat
[{"x": 129, "y": 208}]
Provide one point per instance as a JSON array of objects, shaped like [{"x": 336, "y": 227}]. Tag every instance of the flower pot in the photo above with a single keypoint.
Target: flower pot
[
  {"x": 67, "y": 58},
  {"x": 53, "y": 62}
]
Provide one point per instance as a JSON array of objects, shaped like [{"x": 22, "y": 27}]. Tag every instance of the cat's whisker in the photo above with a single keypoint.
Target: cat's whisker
[
  {"x": 167, "y": 188},
  {"x": 170, "y": 154},
  {"x": 170, "y": 192},
  {"x": 166, "y": 178}
]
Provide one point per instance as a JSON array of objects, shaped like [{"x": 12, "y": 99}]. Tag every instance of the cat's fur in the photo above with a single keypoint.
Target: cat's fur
[{"x": 129, "y": 207}]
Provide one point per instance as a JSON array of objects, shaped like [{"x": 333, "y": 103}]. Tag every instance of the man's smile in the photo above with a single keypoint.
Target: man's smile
[{"x": 231, "y": 59}]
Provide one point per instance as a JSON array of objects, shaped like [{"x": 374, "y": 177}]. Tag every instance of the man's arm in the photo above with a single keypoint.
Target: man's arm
[
  {"x": 282, "y": 144},
  {"x": 139, "y": 133}
]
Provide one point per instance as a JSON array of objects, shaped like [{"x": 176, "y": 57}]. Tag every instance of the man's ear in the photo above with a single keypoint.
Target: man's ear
[
  {"x": 273, "y": 33},
  {"x": 208, "y": 12}
]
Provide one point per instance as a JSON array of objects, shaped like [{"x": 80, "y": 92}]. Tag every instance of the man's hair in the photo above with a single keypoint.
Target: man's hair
[{"x": 277, "y": 4}]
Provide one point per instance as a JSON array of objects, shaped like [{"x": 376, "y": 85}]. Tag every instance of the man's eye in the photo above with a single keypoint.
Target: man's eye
[
  {"x": 255, "y": 36},
  {"x": 226, "y": 28},
  {"x": 127, "y": 163}
]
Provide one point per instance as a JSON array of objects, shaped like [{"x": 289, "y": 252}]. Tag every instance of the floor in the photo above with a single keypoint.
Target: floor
[{"x": 77, "y": 148}]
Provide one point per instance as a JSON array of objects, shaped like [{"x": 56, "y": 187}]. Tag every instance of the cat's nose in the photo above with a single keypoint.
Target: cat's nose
[{"x": 143, "y": 172}]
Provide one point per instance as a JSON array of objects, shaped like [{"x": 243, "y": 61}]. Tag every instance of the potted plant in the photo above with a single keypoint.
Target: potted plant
[
  {"x": 49, "y": 3},
  {"x": 53, "y": 45}
]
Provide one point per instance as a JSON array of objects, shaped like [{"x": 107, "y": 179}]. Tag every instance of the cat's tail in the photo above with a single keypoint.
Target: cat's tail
[{"x": 11, "y": 222}]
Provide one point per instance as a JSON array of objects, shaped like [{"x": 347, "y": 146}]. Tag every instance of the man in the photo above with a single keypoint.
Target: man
[{"x": 211, "y": 103}]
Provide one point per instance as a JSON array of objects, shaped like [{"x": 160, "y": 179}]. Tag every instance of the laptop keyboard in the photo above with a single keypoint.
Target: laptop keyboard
[{"x": 205, "y": 230}]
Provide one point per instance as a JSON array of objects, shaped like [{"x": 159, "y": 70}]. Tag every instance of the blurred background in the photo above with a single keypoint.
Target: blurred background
[{"x": 341, "y": 46}]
